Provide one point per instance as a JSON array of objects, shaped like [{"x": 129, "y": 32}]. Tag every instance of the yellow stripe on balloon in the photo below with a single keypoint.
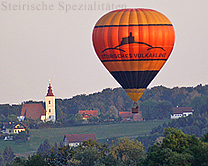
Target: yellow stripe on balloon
[{"x": 135, "y": 94}]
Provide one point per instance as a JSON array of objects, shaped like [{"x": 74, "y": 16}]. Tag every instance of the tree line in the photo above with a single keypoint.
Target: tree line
[
  {"x": 156, "y": 103},
  {"x": 176, "y": 148}
]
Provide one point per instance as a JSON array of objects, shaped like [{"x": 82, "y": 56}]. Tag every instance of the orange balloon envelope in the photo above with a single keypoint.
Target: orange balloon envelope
[{"x": 133, "y": 44}]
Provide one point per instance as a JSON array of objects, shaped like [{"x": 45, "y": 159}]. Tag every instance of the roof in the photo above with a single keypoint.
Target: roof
[
  {"x": 88, "y": 113},
  {"x": 13, "y": 124},
  {"x": 72, "y": 138},
  {"x": 128, "y": 114},
  {"x": 50, "y": 92},
  {"x": 181, "y": 110},
  {"x": 33, "y": 111}
]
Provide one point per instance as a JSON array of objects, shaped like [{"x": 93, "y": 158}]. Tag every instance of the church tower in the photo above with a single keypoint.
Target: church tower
[{"x": 50, "y": 104}]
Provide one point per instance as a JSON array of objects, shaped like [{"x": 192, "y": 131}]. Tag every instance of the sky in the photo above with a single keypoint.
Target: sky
[{"x": 52, "y": 39}]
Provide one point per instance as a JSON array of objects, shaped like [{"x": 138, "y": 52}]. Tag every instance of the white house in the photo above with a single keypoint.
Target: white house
[
  {"x": 179, "y": 112},
  {"x": 74, "y": 140}
]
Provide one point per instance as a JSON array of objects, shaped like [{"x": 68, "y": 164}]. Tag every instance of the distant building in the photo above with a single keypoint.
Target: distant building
[
  {"x": 76, "y": 139},
  {"x": 129, "y": 116},
  {"x": 13, "y": 128},
  {"x": 33, "y": 111},
  {"x": 86, "y": 114},
  {"x": 50, "y": 104},
  {"x": 179, "y": 112},
  {"x": 37, "y": 111}
]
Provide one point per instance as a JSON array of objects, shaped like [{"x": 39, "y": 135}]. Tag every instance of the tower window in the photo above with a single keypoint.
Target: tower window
[
  {"x": 49, "y": 110},
  {"x": 49, "y": 102}
]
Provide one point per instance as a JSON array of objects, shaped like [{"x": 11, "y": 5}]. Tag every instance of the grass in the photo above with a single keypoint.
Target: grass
[{"x": 104, "y": 131}]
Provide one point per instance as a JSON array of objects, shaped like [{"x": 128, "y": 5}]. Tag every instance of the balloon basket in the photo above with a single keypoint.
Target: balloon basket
[{"x": 135, "y": 108}]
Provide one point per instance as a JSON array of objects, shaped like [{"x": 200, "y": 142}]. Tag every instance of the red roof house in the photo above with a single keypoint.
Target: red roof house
[
  {"x": 76, "y": 139},
  {"x": 129, "y": 116},
  {"x": 86, "y": 114}
]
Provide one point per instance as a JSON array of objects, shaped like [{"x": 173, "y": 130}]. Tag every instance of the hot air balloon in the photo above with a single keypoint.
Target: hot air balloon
[{"x": 133, "y": 44}]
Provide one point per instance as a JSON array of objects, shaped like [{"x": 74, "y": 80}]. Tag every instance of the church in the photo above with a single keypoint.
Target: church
[{"x": 37, "y": 111}]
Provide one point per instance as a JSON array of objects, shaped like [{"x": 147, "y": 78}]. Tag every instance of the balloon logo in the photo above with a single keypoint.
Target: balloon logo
[{"x": 133, "y": 44}]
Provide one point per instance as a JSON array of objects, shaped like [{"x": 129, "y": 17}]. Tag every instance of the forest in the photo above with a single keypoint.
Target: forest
[
  {"x": 156, "y": 103},
  {"x": 176, "y": 148}
]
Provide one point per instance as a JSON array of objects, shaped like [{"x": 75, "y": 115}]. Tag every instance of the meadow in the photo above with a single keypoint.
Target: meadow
[{"x": 102, "y": 132}]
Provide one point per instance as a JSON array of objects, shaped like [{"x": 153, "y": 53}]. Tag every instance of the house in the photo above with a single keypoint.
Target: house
[
  {"x": 76, "y": 139},
  {"x": 179, "y": 112},
  {"x": 37, "y": 111},
  {"x": 86, "y": 114},
  {"x": 13, "y": 128},
  {"x": 129, "y": 116}
]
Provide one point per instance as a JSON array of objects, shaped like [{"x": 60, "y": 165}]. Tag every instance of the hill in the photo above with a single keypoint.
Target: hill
[
  {"x": 102, "y": 133},
  {"x": 159, "y": 98}
]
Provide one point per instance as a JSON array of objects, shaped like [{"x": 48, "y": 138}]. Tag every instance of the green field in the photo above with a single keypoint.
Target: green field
[{"x": 106, "y": 131}]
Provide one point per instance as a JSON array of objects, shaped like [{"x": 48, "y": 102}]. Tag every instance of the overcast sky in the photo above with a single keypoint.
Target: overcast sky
[{"x": 52, "y": 39}]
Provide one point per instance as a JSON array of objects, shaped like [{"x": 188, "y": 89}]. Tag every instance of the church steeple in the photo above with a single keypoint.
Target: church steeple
[
  {"x": 50, "y": 92},
  {"x": 50, "y": 104}
]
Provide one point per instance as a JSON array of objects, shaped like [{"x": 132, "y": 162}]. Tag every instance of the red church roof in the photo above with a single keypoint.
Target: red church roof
[
  {"x": 33, "y": 111},
  {"x": 50, "y": 92},
  {"x": 88, "y": 113}
]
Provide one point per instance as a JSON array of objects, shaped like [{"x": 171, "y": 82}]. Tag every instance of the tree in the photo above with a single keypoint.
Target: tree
[
  {"x": 113, "y": 112},
  {"x": 45, "y": 148},
  {"x": 163, "y": 109},
  {"x": 36, "y": 160},
  {"x": 126, "y": 151},
  {"x": 8, "y": 155},
  {"x": 148, "y": 109},
  {"x": 77, "y": 119},
  {"x": 87, "y": 153},
  {"x": 18, "y": 162},
  {"x": 1, "y": 158},
  {"x": 31, "y": 123},
  {"x": 12, "y": 118},
  {"x": 21, "y": 137},
  {"x": 177, "y": 141},
  {"x": 94, "y": 119},
  {"x": 2, "y": 118},
  {"x": 165, "y": 156},
  {"x": 178, "y": 148},
  {"x": 119, "y": 103},
  {"x": 53, "y": 157}
]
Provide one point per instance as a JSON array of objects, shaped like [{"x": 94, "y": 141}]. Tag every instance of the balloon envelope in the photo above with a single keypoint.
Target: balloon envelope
[{"x": 133, "y": 44}]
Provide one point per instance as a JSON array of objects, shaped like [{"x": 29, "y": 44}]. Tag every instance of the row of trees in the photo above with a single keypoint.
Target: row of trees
[
  {"x": 156, "y": 103},
  {"x": 176, "y": 148},
  {"x": 122, "y": 152}
]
